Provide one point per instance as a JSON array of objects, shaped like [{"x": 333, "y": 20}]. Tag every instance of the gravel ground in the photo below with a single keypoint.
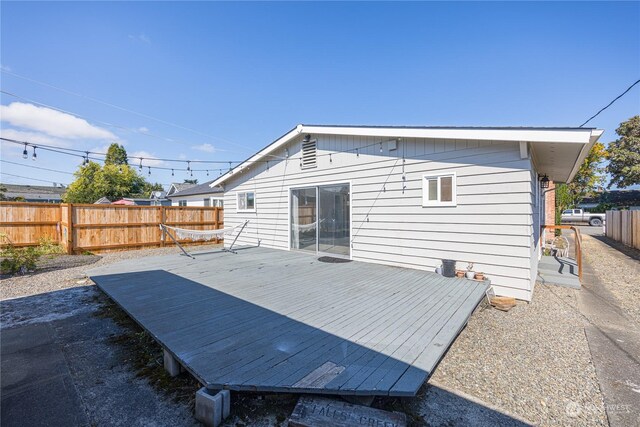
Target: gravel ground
[
  {"x": 619, "y": 266},
  {"x": 68, "y": 271},
  {"x": 533, "y": 361}
]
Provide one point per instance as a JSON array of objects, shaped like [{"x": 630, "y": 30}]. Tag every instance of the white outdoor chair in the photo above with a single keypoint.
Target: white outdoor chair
[{"x": 561, "y": 245}]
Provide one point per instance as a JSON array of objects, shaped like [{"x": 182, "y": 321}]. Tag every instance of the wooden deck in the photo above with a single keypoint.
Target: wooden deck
[{"x": 270, "y": 320}]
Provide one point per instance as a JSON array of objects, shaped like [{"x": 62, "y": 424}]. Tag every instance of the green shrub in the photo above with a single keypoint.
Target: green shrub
[
  {"x": 48, "y": 246},
  {"x": 20, "y": 260}
]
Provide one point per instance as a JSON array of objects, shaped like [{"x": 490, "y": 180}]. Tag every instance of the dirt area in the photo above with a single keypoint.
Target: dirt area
[{"x": 531, "y": 363}]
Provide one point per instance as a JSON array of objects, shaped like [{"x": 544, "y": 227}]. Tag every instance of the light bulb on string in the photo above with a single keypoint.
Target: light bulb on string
[
  {"x": 207, "y": 172},
  {"x": 149, "y": 170},
  {"x": 172, "y": 174},
  {"x": 381, "y": 147},
  {"x": 188, "y": 165},
  {"x": 35, "y": 156},
  {"x": 140, "y": 166},
  {"x": 25, "y": 154}
]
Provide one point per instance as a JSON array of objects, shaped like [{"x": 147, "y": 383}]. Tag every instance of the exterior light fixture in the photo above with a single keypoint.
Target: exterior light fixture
[
  {"x": 25, "y": 154},
  {"x": 544, "y": 182},
  {"x": 307, "y": 138}
]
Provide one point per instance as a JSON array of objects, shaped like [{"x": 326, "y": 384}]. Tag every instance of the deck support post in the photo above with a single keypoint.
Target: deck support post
[
  {"x": 212, "y": 407},
  {"x": 171, "y": 365}
]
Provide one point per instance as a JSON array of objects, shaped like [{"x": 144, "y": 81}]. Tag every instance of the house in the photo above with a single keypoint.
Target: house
[
  {"x": 620, "y": 199},
  {"x": 179, "y": 186},
  {"x": 35, "y": 193},
  {"x": 407, "y": 196},
  {"x": 198, "y": 195}
]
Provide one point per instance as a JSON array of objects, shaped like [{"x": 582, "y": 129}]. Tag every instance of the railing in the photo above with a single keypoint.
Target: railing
[{"x": 578, "y": 242}]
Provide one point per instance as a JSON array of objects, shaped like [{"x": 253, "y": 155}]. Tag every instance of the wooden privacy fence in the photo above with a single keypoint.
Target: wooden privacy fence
[
  {"x": 624, "y": 227},
  {"x": 85, "y": 227}
]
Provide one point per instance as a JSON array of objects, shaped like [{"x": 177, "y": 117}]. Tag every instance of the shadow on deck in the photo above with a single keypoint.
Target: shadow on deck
[{"x": 276, "y": 321}]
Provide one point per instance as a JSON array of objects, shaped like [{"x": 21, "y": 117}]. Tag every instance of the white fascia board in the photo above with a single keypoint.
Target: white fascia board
[
  {"x": 579, "y": 136},
  {"x": 260, "y": 154},
  {"x": 595, "y": 135}
]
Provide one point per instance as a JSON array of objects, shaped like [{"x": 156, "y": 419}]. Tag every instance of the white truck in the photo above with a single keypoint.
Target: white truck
[{"x": 578, "y": 215}]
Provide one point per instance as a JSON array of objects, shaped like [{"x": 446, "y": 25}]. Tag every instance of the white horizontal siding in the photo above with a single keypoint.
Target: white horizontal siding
[{"x": 491, "y": 225}]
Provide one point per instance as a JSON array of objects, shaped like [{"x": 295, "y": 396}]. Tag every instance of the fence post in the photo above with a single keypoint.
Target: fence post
[
  {"x": 70, "y": 238},
  {"x": 162, "y": 220}
]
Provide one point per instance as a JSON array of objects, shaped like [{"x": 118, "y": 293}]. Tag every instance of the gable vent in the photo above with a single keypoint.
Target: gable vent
[{"x": 309, "y": 155}]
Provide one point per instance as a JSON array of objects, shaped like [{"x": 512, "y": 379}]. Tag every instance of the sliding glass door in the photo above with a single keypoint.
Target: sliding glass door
[
  {"x": 321, "y": 220},
  {"x": 304, "y": 234}
]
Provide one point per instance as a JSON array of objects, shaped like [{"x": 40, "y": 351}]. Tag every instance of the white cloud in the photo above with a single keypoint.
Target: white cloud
[
  {"x": 149, "y": 159},
  {"x": 5, "y": 68},
  {"x": 142, "y": 37},
  {"x": 52, "y": 122},
  {"x": 34, "y": 137},
  {"x": 143, "y": 129},
  {"x": 204, "y": 147}
]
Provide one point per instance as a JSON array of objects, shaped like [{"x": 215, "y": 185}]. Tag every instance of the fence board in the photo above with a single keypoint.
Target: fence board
[
  {"x": 101, "y": 227},
  {"x": 624, "y": 227}
]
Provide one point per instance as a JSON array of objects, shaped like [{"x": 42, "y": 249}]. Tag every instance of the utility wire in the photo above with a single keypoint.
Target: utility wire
[
  {"x": 26, "y": 177},
  {"x": 611, "y": 103},
  {"x": 35, "y": 167}
]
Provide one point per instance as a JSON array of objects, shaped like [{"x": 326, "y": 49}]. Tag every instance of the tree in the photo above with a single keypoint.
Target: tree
[
  {"x": 588, "y": 179},
  {"x": 191, "y": 181},
  {"x": 3, "y": 190},
  {"x": 116, "y": 155},
  {"x": 114, "y": 180},
  {"x": 624, "y": 155},
  {"x": 83, "y": 189}
]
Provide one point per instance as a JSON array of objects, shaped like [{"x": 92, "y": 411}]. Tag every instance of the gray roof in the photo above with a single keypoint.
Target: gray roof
[
  {"x": 198, "y": 189},
  {"x": 179, "y": 186},
  {"x": 34, "y": 192}
]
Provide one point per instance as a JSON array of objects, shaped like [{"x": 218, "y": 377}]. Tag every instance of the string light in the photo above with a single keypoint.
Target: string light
[
  {"x": 330, "y": 159},
  {"x": 34, "y": 154},
  {"x": 140, "y": 166},
  {"x": 149, "y": 170},
  {"x": 25, "y": 154},
  {"x": 188, "y": 165},
  {"x": 357, "y": 152},
  {"x": 172, "y": 174},
  {"x": 207, "y": 172},
  {"x": 381, "y": 147}
]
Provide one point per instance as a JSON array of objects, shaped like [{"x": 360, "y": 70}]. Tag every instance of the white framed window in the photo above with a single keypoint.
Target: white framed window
[
  {"x": 439, "y": 190},
  {"x": 207, "y": 202},
  {"x": 182, "y": 203},
  {"x": 247, "y": 202}
]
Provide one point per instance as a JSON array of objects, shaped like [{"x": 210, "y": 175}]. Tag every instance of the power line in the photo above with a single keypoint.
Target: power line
[
  {"x": 609, "y": 104},
  {"x": 109, "y": 104},
  {"x": 35, "y": 167},
  {"x": 27, "y": 177}
]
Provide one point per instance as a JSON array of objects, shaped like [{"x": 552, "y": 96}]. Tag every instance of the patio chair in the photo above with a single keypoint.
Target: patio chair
[{"x": 561, "y": 246}]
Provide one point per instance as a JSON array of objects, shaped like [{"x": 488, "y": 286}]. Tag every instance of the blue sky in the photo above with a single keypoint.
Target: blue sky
[{"x": 238, "y": 75}]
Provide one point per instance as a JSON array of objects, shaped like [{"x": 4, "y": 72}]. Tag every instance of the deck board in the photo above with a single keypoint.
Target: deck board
[{"x": 269, "y": 320}]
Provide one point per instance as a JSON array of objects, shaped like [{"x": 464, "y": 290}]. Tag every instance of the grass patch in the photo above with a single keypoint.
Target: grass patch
[{"x": 140, "y": 351}]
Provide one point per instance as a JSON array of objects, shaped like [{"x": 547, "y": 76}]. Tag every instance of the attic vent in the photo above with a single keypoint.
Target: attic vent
[{"x": 308, "y": 155}]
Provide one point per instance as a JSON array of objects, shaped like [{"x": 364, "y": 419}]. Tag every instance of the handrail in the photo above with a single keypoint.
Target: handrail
[{"x": 578, "y": 242}]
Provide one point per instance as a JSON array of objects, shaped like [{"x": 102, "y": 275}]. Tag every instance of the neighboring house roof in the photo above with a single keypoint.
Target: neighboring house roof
[
  {"x": 198, "y": 189},
  {"x": 179, "y": 186},
  {"x": 34, "y": 192},
  {"x": 158, "y": 195},
  {"x": 102, "y": 201},
  {"x": 123, "y": 202},
  {"x": 616, "y": 197},
  {"x": 557, "y": 151}
]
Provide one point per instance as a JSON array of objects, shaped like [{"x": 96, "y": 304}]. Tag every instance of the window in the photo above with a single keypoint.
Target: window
[
  {"x": 439, "y": 190},
  {"x": 218, "y": 203},
  {"x": 207, "y": 202},
  {"x": 182, "y": 203},
  {"x": 247, "y": 201}
]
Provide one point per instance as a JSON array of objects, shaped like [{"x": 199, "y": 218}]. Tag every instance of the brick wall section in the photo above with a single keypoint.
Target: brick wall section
[{"x": 550, "y": 205}]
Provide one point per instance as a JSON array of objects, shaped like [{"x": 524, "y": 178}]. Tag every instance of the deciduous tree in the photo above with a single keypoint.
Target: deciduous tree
[{"x": 624, "y": 155}]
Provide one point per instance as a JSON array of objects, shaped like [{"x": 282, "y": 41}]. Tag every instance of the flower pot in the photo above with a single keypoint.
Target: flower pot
[
  {"x": 470, "y": 274},
  {"x": 459, "y": 274},
  {"x": 479, "y": 276}
]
